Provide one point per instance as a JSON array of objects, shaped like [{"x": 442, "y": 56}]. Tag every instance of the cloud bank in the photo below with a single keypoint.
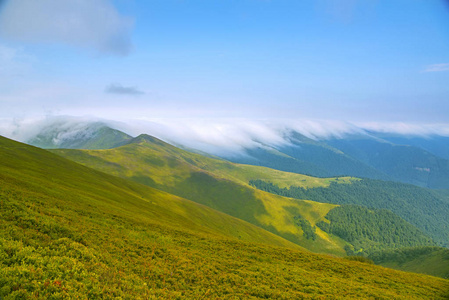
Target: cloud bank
[
  {"x": 118, "y": 89},
  {"x": 222, "y": 137},
  {"x": 82, "y": 23},
  {"x": 437, "y": 68}
]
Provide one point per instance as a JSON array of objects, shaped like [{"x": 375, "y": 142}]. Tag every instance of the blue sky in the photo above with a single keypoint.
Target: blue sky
[{"x": 350, "y": 60}]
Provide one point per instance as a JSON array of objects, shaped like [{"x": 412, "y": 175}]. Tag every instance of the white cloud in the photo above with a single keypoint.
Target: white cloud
[
  {"x": 437, "y": 68},
  {"x": 407, "y": 128},
  {"x": 229, "y": 137},
  {"x": 222, "y": 137},
  {"x": 94, "y": 24}
]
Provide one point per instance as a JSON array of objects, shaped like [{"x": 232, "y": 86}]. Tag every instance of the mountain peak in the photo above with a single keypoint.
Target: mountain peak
[
  {"x": 87, "y": 135},
  {"x": 146, "y": 138}
]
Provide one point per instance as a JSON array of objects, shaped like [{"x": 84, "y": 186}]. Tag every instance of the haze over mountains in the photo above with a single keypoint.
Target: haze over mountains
[
  {"x": 409, "y": 154},
  {"x": 338, "y": 211}
]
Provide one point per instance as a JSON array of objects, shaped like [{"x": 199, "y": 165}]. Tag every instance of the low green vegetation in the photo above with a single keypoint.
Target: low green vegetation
[
  {"x": 224, "y": 186},
  {"x": 218, "y": 184},
  {"x": 68, "y": 231}
]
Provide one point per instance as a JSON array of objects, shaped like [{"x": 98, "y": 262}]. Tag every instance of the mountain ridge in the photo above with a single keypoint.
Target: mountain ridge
[{"x": 71, "y": 231}]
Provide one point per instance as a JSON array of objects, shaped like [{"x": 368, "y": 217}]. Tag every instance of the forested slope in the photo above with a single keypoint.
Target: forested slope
[{"x": 423, "y": 208}]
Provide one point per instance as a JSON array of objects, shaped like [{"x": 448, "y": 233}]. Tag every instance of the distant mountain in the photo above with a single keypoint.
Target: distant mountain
[
  {"x": 417, "y": 160},
  {"x": 435, "y": 144},
  {"x": 82, "y": 135},
  {"x": 306, "y": 156},
  {"x": 360, "y": 155},
  {"x": 68, "y": 231},
  {"x": 402, "y": 163}
]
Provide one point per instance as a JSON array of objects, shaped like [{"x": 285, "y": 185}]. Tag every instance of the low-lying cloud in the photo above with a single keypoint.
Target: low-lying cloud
[
  {"x": 222, "y": 137},
  {"x": 82, "y": 23},
  {"x": 407, "y": 129},
  {"x": 118, "y": 89}
]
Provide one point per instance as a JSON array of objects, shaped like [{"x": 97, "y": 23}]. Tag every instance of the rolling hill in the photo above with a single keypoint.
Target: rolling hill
[
  {"x": 216, "y": 183},
  {"x": 225, "y": 186},
  {"x": 68, "y": 231}
]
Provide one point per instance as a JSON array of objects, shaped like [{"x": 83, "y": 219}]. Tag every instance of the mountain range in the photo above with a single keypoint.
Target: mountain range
[{"x": 149, "y": 210}]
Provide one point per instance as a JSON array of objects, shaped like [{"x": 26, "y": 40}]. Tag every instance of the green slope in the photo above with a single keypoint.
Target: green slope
[
  {"x": 64, "y": 134},
  {"x": 224, "y": 186},
  {"x": 44, "y": 172},
  {"x": 218, "y": 184},
  {"x": 71, "y": 232}
]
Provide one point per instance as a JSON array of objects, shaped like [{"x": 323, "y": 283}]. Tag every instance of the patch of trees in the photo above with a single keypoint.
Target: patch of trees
[
  {"x": 404, "y": 255},
  {"x": 369, "y": 230},
  {"x": 426, "y": 209},
  {"x": 309, "y": 231}
]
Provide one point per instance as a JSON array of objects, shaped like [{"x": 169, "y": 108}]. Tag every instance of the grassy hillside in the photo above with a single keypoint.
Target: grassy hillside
[
  {"x": 71, "y": 232},
  {"x": 218, "y": 184},
  {"x": 44, "y": 172}
]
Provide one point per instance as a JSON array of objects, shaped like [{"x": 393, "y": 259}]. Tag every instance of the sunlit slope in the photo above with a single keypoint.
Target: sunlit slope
[
  {"x": 217, "y": 184},
  {"x": 67, "y": 231},
  {"x": 71, "y": 186}
]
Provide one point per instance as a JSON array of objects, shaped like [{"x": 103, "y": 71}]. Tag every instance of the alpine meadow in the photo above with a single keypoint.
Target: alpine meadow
[{"x": 224, "y": 149}]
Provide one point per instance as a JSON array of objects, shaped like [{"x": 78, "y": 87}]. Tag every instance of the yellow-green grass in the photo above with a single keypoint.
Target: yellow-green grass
[
  {"x": 245, "y": 173},
  {"x": 69, "y": 232},
  {"x": 218, "y": 184},
  {"x": 39, "y": 171}
]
